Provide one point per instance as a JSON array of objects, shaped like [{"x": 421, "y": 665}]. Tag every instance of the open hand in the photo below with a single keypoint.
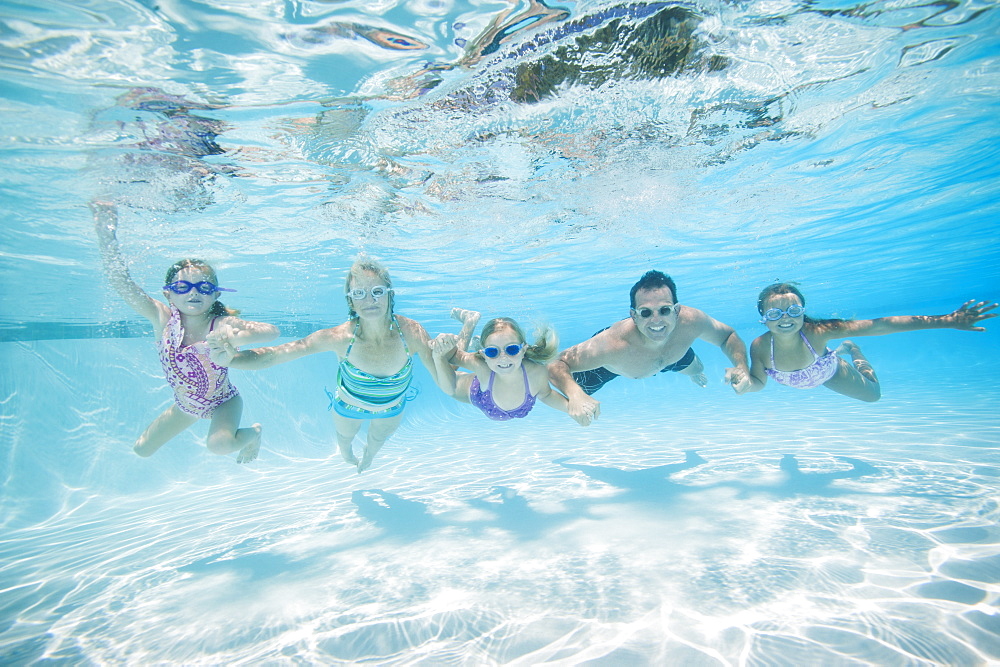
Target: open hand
[
  {"x": 970, "y": 314},
  {"x": 221, "y": 348}
]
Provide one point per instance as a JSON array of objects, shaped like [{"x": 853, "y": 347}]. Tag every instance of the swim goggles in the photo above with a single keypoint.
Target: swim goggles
[
  {"x": 511, "y": 350},
  {"x": 203, "y": 287},
  {"x": 645, "y": 313},
  {"x": 775, "y": 314},
  {"x": 377, "y": 292}
]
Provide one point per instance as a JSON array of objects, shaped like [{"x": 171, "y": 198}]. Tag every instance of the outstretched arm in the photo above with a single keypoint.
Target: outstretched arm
[
  {"x": 245, "y": 332},
  {"x": 417, "y": 340},
  {"x": 116, "y": 269},
  {"x": 723, "y": 335},
  {"x": 442, "y": 349},
  {"x": 552, "y": 398},
  {"x": 583, "y": 356},
  {"x": 224, "y": 352},
  {"x": 964, "y": 318},
  {"x": 758, "y": 378}
]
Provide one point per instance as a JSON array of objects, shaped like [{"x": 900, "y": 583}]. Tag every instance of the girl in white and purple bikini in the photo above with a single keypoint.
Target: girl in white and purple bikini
[
  {"x": 787, "y": 353},
  {"x": 201, "y": 389}
]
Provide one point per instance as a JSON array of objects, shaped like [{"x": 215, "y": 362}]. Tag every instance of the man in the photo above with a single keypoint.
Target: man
[{"x": 656, "y": 338}]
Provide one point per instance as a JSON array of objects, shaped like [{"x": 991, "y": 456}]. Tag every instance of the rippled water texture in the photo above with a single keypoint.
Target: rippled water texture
[{"x": 521, "y": 159}]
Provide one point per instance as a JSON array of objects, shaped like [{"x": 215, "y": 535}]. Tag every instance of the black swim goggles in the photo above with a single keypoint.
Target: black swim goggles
[
  {"x": 203, "y": 287},
  {"x": 664, "y": 311},
  {"x": 775, "y": 314},
  {"x": 511, "y": 350},
  {"x": 377, "y": 292}
]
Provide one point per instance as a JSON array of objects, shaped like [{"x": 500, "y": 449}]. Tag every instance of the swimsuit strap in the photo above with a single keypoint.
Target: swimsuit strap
[
  {"x": 211, "y": 325},
  {"x": 808, "y": 344},
  {"x": 524, "y": 372},
  {"x": 804, "y": 339},
  {"x": 401, "y": 336},
  {"x": 353, "y": 335}
]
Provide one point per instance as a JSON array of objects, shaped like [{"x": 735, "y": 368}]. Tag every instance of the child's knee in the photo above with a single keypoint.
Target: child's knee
[
  {"x": 874, "y": 396},
  {"x": 141, "y": 449},
  {"x": 220, "y": 443}
]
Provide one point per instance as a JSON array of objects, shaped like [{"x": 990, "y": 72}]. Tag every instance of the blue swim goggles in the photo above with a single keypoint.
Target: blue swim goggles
[
  {"x": 203, "y": 287},
  {"x": 775, "y": 314},
  {"x": 511, "y": 350}
]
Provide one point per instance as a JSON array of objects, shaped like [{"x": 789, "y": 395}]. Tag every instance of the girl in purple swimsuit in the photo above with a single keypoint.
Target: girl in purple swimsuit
[
  {"x": 788, "y": 354},
  {"x": 201, "y": 389},
  {"x": 508, "y": 375}
]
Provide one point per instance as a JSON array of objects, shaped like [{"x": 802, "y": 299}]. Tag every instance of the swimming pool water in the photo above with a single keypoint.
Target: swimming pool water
[{"x": 848, "y": 147}]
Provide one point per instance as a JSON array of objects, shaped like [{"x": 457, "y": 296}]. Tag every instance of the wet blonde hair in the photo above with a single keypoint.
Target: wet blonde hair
[
  {"x": 544, "y": 348},
  {"x": 218, "y": 308},
  {"x": 363, "y": 265}
]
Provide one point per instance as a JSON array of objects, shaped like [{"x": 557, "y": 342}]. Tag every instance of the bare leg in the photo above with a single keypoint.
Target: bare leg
[
  {"x": 696, "y": 371},
  {"x": 379, "y": 431},
  {"x": 856, "y": 380},
  {"x": 168, "y": 425},
  {"x": 225, "y": 436},
  {"x": 469, "y": 320},
  {"x": 347, "y": 428}
]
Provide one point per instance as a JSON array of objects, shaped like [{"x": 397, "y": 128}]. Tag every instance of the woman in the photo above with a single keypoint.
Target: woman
[{"x": 375, "y": 347}]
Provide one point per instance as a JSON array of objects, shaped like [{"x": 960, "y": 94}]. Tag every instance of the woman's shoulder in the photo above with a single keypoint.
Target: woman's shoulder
[{"x": 413, "y": 330}]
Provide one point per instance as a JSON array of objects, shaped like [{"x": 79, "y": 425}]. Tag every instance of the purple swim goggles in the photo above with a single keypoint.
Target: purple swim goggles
[{"x": 203, "y": 287}]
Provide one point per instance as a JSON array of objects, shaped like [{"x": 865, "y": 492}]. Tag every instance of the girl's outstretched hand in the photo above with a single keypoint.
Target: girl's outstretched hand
[
  {"x": 105, "y": 218},
  {"x": 970, "y": 314},
  {"x": 221, "y": 348}
]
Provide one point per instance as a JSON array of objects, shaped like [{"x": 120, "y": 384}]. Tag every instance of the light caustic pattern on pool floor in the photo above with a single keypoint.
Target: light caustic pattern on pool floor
[{"x": 876, "y": 547}]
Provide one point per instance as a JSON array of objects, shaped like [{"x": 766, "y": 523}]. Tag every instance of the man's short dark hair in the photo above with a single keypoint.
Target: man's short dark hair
[{"x": 653, "y": 280}]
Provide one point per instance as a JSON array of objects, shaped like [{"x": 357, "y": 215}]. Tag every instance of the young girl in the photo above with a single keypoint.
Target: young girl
[
  {"x": 788, "y": 352},
  {"x": 508, "y": 375},
  {"x": 201, "y": 389}
]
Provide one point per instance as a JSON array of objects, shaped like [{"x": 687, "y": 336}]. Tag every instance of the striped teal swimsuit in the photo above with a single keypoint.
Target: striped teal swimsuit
[{"x": 371, "y": 389}]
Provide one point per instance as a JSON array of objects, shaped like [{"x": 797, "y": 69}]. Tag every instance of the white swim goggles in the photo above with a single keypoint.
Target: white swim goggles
[
  {"x": 377, "y": 292},
  {"x": 775, "y": 314}
]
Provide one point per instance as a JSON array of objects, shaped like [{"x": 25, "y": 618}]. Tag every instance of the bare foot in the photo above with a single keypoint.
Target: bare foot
[
  {"x": 700, "y": 379},
  {"x": 465, "y": 316},
  {"x": 348, "y": 454},
  {"x": 366, "y": 462},
  {"x": 252, "y": 449}
]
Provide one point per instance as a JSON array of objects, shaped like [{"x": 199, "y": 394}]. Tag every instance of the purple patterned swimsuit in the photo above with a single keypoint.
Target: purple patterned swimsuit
[
  {"x": 199, "y": 385},
  {"x": 484, "y": 400},
  {"x": 819, "y": 371}
]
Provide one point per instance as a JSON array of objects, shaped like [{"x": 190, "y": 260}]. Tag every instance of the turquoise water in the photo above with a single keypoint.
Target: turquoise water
[{"x": 521, "y": 160}]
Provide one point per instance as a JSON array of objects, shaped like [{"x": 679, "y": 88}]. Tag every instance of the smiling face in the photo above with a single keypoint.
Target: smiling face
[
  {"x": 656, "y": 327},
  {"x": 786, "y": 325},
  {"x": 503, "y": 363},
  {"x": 193, "y": 303}
]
